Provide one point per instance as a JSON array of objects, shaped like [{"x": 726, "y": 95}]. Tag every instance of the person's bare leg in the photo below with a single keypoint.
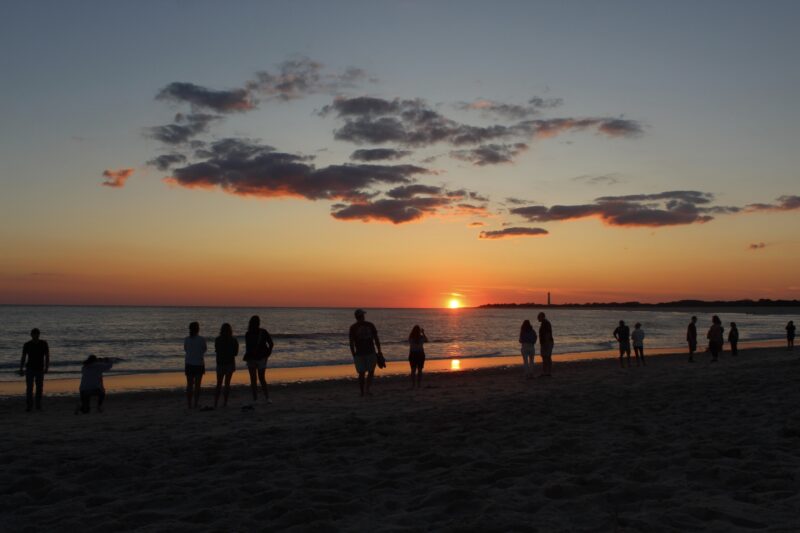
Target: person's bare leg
[
  {"x": 253, "y": 384},
  {"x": 218, "y": 389},
  {"x": 361, "y": 380},
  {"x": 228, "y": 377},
  {"x": 419, "y": 377},
  {"x": 370, "y": 375},
  {"x": 189, "y": 390},
  {"x": 262, "y": 378},
  {"x": 413, "y": 377},
  {"x": 197, "y": 382}
]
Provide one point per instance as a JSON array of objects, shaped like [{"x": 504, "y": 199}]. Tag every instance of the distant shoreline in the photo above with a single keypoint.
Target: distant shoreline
[{"x": 741, "y": 306}]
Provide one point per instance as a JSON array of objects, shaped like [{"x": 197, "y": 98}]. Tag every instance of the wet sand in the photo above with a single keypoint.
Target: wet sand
[{"x": 666, "y": 447}]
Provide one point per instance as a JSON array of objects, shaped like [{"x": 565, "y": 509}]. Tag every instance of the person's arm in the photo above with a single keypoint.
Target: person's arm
[
  {"x": 235, "y": 347},
  {"x": 616, "y": 334},
  {"x": 352, "y": 342},
  {"x": 46, "y": 357},
  {"x": 270, "y": 344},
  {"x": 424, "y": 338},
  {"x": 25, "y": 356},
  {"x": 377, "y": 340}
]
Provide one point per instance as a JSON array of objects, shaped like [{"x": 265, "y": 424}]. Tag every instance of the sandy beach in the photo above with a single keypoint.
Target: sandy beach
[{"x": 667, "y": 447}]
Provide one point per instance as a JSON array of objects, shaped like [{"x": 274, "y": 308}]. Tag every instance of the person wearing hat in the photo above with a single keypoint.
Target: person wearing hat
[{"x": 365, "y": 347}]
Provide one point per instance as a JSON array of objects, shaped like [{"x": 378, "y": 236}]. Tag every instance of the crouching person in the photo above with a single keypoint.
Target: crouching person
[{"x": 92, "y": 381}]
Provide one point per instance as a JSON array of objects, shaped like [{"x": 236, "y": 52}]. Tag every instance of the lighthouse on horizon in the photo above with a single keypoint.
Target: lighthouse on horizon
[{"x": 548, "y": 298}]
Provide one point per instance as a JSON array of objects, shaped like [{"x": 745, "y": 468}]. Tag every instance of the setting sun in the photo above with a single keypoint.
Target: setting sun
[{"x": 454, "y": 303}]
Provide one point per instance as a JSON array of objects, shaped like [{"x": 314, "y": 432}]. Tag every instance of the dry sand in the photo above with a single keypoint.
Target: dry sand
[{"x": 669, "y": 447}]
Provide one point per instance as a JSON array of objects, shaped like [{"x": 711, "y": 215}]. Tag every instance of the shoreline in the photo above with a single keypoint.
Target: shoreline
[{"x": 161, "y": 381}]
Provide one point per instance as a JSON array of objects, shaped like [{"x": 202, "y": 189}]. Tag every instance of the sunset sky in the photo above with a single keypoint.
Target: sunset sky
[{"x": 398, "y": 154}]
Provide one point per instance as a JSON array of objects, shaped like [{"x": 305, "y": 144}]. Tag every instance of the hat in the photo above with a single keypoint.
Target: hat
[{"x": 360, "y": 312}]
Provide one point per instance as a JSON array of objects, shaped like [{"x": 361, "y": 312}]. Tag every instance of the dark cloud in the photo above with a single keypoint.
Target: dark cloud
[
  {"x": 378, "y": 154},
  {"x": 507, "y": 233},
  {"x": 243, "y": 167},
  {"x": 782, "y": 203},
  {"x": 757, "y": 246},
  {"x": 409, "y": 191},
  {"x": 490, "y": 154},
  {"x": 224, "y": 101},
  {"x": 599, "y": 179},
  {"x": 116, "y": 178},
  {"x": 476, "y": 224},
  {"x": 662, "y": 209},
  {"x": 165, "y": 161},
  {"x": 184, "y": 128},
  {"x": 298, "y": 78},
  {"x": 510, "y": 111}
]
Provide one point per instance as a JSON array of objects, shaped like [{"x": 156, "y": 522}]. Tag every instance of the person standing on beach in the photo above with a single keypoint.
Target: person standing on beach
[
  {"x": 194, "y": 346},
  {"x": 638, "y": 343},
  {"x": 365, "y": 347},
  {"x": 623, "y": 335},
  {"x": 790, "y": 335},
  {"x": 258, "y": 348},
  {"x": 715, "y": 338},
  {"x": 92, "y": 382},
  {"x": 34, "y": 365},
  {"x": 546, "y": 343},
  {"x": 416, "y": 354},
  {"x": 527, "y": 341},
  {"x": 227, "y": 348},
  {"x": 691, "y": 338},
  {"x": 733, "y": 339}
]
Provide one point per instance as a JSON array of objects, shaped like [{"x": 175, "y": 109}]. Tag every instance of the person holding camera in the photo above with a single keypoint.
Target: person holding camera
[
  {"x": 92, "y": 382},
  {"x": 416, "y": 354}
]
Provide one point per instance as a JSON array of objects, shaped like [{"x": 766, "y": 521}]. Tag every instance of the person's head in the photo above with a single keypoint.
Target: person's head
[
  {"x": 621, "y": 322},
  {"x": 733, "y": 325},
  {"x": 694, "y": 319},
  {"x": 540, "y": 317},
  {"x": 791, "y": 323},
  {"x": 416, "y": 332},
  {"x": 715, "y": 319},
  {"x": 637, "y": 326},
  {"x": 89, "y": 360},
  {"x": 35, "y": 333},
  {"x": 226, "y": 330},
  {"x": 526, "y": 326},
  {"x": 194, "y": 329},
  {"x": 359, "y": 314},
  {"x": 254, "y": 324}
]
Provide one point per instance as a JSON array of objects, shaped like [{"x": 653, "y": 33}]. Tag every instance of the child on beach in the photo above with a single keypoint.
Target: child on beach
[
  {"x": 416, "y": 354},
  {"x": 92, "y": 382},
  {"x": 638, "y": 343},
  {"x": 527, "y": 341}
]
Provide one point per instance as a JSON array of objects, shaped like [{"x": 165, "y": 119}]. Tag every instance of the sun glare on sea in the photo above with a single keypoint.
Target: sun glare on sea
[{"x": 454, "y": 303}]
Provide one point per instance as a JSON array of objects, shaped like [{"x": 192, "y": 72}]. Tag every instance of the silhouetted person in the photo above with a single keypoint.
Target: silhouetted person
[
  {"x": 227, "y": 348},
  {"x": 715, "y": 338},
  {"x": 790, "y": 335},
  {"x": 733, "y": 339},
  {"x": 258, "y": 348},
  {"x": 691, "y": 338},
  {"x": 92, "y": 382},
  {"x": 637, "y": 336},
  {"x": 194, "y": 346},
  {"x": 546, "y": 343},
  {"x": 527, "y": 342},
  {"x": 35, "y": 362},
  {"x": 365, "y": 347},
  {"x": 623, "y": 335},
  {"x": 416, "y": 354}
]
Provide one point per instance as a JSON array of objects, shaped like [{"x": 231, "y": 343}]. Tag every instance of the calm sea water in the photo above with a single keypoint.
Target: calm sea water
[{"x": 150, "y": 339}]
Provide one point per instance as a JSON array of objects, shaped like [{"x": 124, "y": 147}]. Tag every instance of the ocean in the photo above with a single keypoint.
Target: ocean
[{"x": 150, "y": 339}]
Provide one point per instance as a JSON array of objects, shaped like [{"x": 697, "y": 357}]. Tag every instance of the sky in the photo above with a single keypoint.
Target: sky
[{"x": 398, "y": 154}]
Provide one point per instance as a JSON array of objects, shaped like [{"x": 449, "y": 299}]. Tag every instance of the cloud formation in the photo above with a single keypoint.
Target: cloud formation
[
  {"x": 508, "y": 233},
  {"x": 165, "y": 161},
  {"x": 184, "y": 128},
  {"x": 599, "y": 179},
  {"x": 510, "y": 111},
  {"x": 757, "y": 246},
  {"x": 490, "y": 154},
  {"x": 782, "y": 203},
  {"x": 247, "y": 168},
  {"x": 378, "y": 154},
  {"x": 297, "y": 78},
  {"x": 409, "y": 203},
  {"x": 221, "y": 101},
  {"x": 669, "y": 208},
  {"x": 116, "y": 178}
]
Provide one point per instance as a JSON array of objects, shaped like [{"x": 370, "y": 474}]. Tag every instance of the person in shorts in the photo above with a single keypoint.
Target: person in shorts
[
  {"x": 194, "y": 346},
  {"x": 546, "y": 343},
  {"x": 623, "y": 336},
  {"x": 365, "y": 348},
  {"x": 227, "y": 348},
  {"x": 258, "y": 348},
  {"x": 416, "y": 354},
  {"x": 35, "y": 362}
]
